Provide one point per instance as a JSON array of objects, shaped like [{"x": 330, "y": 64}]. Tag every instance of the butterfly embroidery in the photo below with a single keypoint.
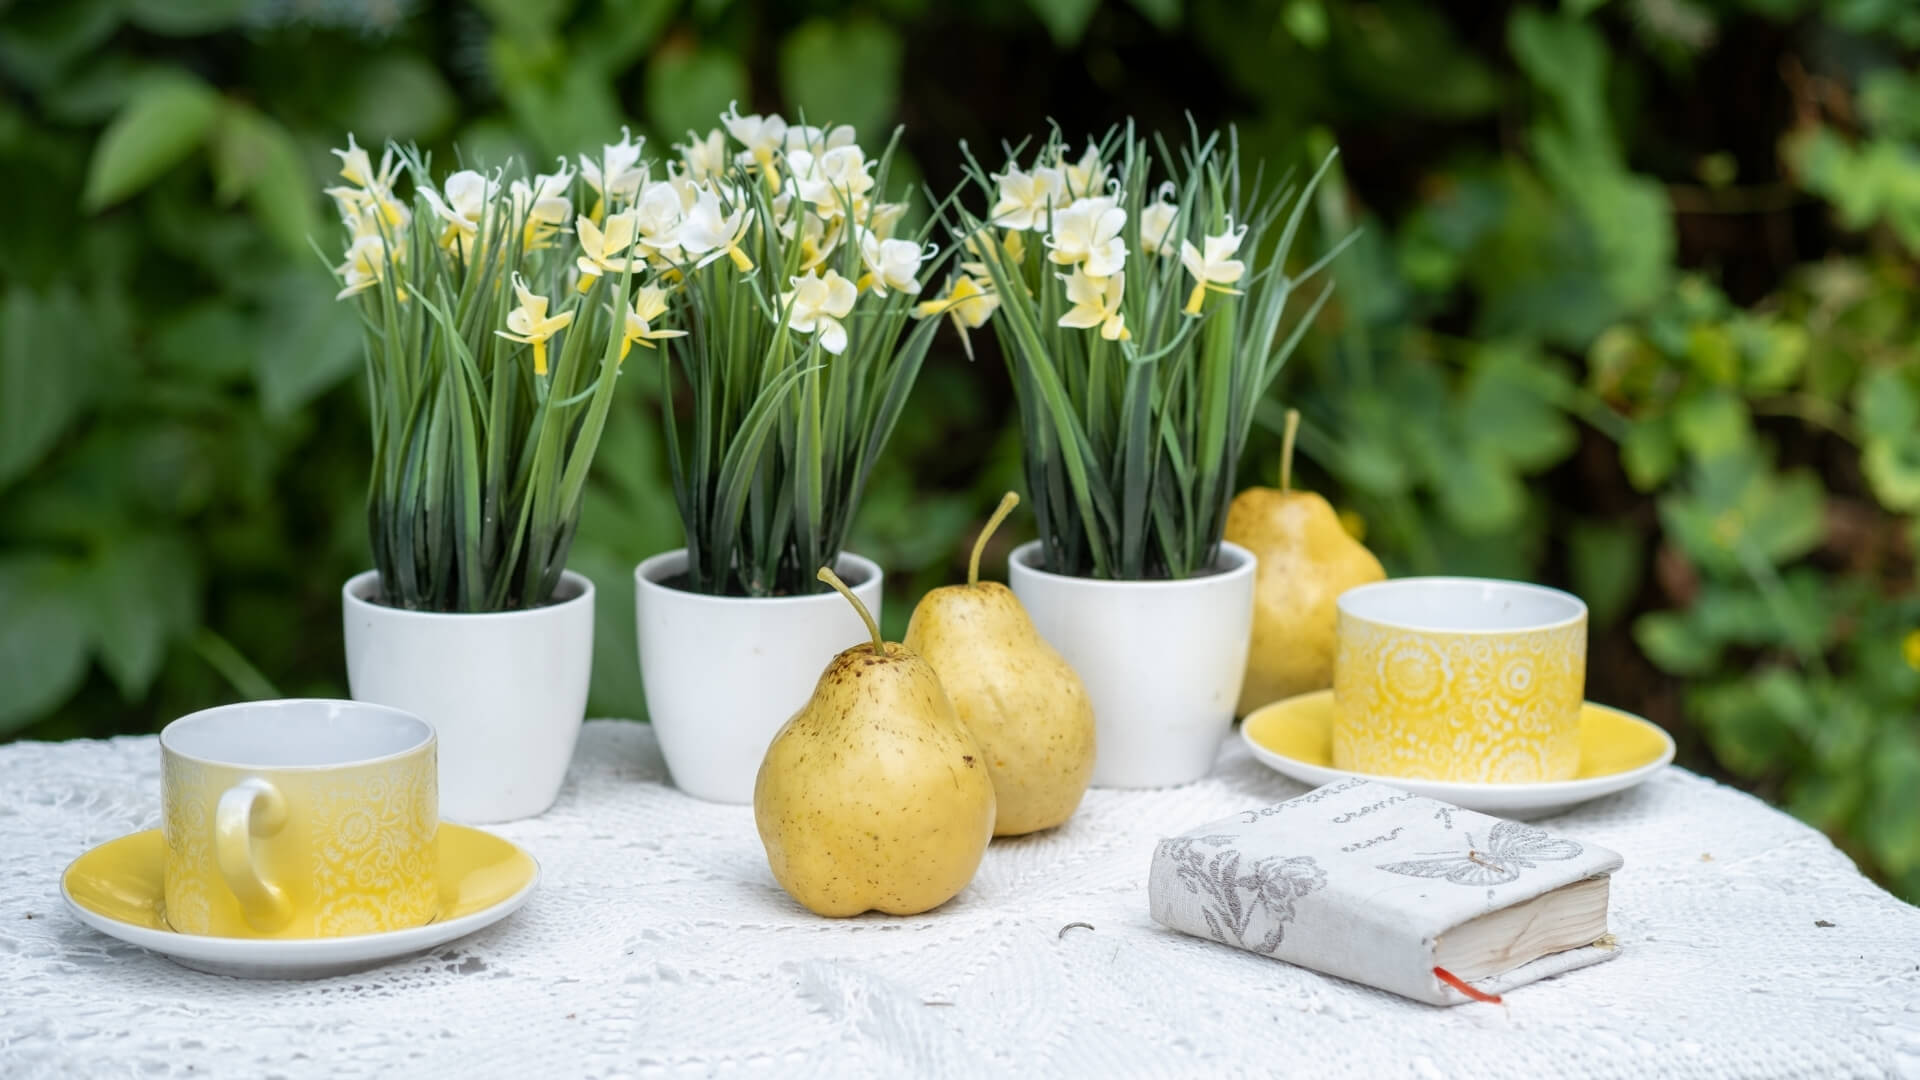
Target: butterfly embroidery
[{"x": 1511, "y": 847}]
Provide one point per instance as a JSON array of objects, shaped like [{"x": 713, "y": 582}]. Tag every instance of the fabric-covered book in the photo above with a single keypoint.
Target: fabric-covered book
[{"x": 1364, "y": 881}]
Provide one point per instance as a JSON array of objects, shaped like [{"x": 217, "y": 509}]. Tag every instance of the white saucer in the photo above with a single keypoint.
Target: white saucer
[
  {"x": 1618, "y": 750},
  {"x": 116, "y": 889}
]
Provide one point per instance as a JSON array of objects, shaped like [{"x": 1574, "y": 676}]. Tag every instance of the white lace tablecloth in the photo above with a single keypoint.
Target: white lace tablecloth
[{"x": 659, "y": 945}]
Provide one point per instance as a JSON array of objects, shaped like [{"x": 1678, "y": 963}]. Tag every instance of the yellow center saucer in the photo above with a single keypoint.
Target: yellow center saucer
[
  {"x": 116, "y": 889},
  {"x": 1617, "y": 751}
]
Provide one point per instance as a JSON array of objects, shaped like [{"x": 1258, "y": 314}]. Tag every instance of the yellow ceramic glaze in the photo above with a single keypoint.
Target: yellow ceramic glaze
[
  {"x": 1486, "y": 706},
  {"x": 295, "y": 852},
  {"x": 1610, "y": 741},
  {"x": 123, "y": 879}
]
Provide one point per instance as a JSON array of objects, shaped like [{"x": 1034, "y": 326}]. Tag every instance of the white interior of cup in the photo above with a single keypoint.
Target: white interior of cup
[
  {"x": 295, "y": 734},
  {"x": 1462, "y": 604}
]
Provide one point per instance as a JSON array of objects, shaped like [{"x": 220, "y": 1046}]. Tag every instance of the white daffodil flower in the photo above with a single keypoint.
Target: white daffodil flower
[
  {"x": 816, "y": 304},
  {"x": 467, "y": 196},
  {"x": 1086, "y": 177},
  {"x": 366, "y": 263},
  {"x": 1156, "y": 223},
  {"x": 657, "y": 218},
  {"x": 1096, "y": 302},
  {"x": 763, "y": 136},
  {"x": 1088, "y": 232},
  {"x": 833, "y": 181},
  {"x": 883, "y": 218},
  {"x": 1025, "y": 200},
  {"x": 817, "y": 140},
  {"x": 1215, "y": 268},
  {"x": 617, "y": 174},
  {"x": 601, "y": 250},
  {"x": 649, "y": 303},
  {"x": 966, "y": 302},
  {"x": 709, "y": 232},
  {"x": 530, "y": 324},
  {"x": 705, "y": 157},
  {"x": 358, "y": 169},
  {"x": 543, "y": 205},
  {"x": 891, "y": 264}
]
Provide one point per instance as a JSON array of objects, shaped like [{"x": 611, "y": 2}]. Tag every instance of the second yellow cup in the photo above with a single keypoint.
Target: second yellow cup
[
  {"x": 1459, "y": 679},
  {"x": 300, "y": 819}
]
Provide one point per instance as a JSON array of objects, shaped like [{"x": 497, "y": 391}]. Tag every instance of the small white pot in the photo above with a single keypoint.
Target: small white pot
[
  {"x": 506, "y": 690},
  {"x": 1162, "y": 660},
  {"x": 722, "y": 673}
]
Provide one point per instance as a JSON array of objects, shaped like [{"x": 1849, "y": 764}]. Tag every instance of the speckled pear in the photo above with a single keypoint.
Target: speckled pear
[
  {"x": 1016, "y": 693},
  {"x": 874, "y": 796},
  {"x": 1306, "y": 561}
]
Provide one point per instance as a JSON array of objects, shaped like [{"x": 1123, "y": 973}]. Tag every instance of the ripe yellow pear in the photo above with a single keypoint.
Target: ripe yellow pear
[
  {"x": 1013, "y": 691},
  {"x": 1306, "y": 561},
  {"x": 874, "y": 796}
]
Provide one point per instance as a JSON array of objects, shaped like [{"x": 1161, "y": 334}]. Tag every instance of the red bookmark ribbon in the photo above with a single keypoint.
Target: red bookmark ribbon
[{"x": 1460, "y": 984}]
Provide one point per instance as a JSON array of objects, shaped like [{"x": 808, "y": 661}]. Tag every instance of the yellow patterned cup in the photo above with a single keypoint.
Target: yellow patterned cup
[
  {"x": 1459, "y": 679},
  {"x": 300, "y": 819}
]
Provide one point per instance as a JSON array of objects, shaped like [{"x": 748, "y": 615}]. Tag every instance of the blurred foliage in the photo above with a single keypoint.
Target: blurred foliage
[{"x": 1633, "y": 311}]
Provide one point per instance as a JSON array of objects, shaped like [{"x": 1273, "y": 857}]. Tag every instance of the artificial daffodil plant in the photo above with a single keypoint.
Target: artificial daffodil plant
[
  {"x": 496, "y": 319},
  {"x": 1138, "y": 296},
  {"x": 801, "y": 350}
]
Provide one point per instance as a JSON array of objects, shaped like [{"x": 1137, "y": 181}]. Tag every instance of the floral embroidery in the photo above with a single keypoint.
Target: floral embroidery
[{"x": 1232, "y": 898}]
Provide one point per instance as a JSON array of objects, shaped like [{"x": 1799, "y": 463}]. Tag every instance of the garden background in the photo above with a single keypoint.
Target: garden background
[{"x": 1633, "y": 312}]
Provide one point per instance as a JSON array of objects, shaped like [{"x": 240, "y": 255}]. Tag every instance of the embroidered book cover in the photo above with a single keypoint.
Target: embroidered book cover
[{"x": 1364, "y": 881}]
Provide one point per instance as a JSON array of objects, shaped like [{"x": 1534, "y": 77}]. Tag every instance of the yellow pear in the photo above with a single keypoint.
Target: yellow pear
[
  {"x": 874, "y": 796},
  {"x": 1306, "y": 561},
  {"x": 1013, "y": 691}
]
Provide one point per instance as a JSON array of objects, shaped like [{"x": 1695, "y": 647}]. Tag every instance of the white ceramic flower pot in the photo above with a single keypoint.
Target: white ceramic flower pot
[
  {"x": 723, "y": 673},
  {"x": 1162, "y": 660},
  {"x": 506, "y": 691}
]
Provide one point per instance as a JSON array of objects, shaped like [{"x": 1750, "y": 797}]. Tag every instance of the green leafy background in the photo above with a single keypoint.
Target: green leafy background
[{"x": 1633, "y": 311}]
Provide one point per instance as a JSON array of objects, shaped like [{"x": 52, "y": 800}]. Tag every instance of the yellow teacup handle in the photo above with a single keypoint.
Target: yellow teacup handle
[{"x": 253, "y": 807}]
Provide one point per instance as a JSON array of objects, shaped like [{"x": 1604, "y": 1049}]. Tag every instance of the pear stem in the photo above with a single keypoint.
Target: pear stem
[
  {"x": 1007, "y": 503},
  {"x": 827, "y": 575},
  {"x": 1286, "y": 451}
]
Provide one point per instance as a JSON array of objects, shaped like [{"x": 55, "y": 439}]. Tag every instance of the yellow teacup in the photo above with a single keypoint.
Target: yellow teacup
[
  {"x": 300, "y": 819},
  {"x": 1459, "y": 679}
]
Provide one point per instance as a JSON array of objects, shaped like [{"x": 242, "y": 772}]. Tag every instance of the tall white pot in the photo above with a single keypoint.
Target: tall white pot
[
  {"x": 1162, "y": 660},
  {"x": 506, "y": 691},
  {"x": 723, "y": 673}
]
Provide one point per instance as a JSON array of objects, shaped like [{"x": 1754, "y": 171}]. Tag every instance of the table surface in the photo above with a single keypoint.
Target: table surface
[{"x": 659, "y": 944}]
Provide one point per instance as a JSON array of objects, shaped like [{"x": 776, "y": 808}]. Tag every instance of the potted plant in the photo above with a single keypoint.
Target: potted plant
[
  {"x": 494, "y": 330},
  {"x": 799, "y": 286},
  {"x": 1139, "y": 300}
]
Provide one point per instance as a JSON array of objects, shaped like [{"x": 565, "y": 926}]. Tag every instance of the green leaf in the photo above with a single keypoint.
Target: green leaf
[
  {"x": 1607, "y": 560},
  {"x": 1892, "y": 467},
  {"x": 186, "y": 18},
  {"x": 1565, "y": 58},
  {"x": 1674, "y": 644},
  {"x": 166, "y": 120},
  {"x": 143, "y": 591},
  {"x": 311, "y": 343},
  {"x": 43, "y": 637},
  {"x": 619, "y": 32},
  {"x": 253, "y": 156},
  {"x": 1891, "y": 825},
  {"x": 211, "y": 339},
  {"x": 1713, "y": 424},
  {"x": 1066, "y": 20},
  {"x": 1479, "y": 490},
  {"x": 1503, "y": 406},
  {"x": 1165, "y": 14},
  {"x": 843, "y": 73},
  {"x": 397, "y": 96},
  {"x": 688, "y": 89},
  {"x": 527, "y": 18},
  {"x": 46, "y": 375},
  {"x": 1886, "y": 403},
  {"x": 1649, "y": 453},
  {"x": 39, "y": 41}
]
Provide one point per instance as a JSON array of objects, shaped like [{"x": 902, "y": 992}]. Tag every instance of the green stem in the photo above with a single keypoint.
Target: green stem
[
  {"x": 1007, "y": 503},
  {"x": 827, "y": 575}
]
